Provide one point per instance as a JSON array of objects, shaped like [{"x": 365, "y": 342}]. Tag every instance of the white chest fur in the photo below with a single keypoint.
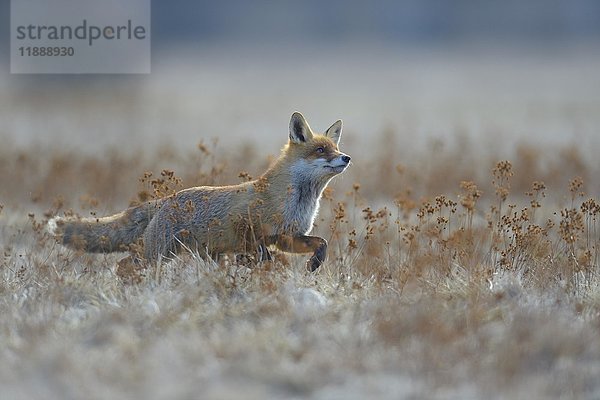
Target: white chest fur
[{"x": 302, "y": 203}]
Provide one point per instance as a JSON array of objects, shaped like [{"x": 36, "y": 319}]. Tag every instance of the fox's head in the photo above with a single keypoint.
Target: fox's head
[{"x": 315, "y": 156}]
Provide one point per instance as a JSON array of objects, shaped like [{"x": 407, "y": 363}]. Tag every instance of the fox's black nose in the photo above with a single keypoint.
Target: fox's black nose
[{"x": 346, "y": 159}]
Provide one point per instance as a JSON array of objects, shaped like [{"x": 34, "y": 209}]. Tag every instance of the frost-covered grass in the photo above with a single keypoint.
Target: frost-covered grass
[{"x": 455, "y": 270}]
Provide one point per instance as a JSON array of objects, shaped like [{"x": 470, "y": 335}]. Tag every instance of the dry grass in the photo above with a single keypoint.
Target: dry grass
[
  {"x": 452, "y": 273},
  {"x": 443, "y": 281}
]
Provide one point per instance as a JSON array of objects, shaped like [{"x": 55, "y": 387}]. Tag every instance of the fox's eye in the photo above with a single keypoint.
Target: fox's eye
[{"x": 320, "y": 150}]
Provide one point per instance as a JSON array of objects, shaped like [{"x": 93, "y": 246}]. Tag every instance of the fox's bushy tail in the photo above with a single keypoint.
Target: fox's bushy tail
[{"x": 107, "y": 234}]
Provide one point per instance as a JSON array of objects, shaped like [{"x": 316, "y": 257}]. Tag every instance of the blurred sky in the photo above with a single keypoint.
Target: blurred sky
[
  {"x": 392, "y": 21},
  {"x": 427, "y": 24},
  {"x": 527, "y": 69},
  {"x": 396, "y": 22}
]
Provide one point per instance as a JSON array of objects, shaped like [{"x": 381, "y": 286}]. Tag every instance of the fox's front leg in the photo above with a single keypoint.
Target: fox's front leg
[
  {"x": 304, "y": 244},
  {"x": 262, "y": 254}
]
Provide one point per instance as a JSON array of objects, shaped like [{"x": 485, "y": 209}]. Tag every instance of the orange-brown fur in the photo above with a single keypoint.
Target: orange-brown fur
[{"x": 276, "y": 209}]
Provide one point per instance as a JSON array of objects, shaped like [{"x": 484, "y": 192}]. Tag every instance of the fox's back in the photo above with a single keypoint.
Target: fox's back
[
  {"x": 229, "y": 218},
  {"x": 276, "y": 209}
]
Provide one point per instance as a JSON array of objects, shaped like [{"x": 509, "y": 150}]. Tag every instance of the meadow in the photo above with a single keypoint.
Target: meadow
[{"x": 454, "y": 271}]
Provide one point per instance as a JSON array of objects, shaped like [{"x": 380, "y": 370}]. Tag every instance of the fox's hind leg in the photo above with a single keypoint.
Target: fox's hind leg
[
  {"x": 131, "y": 269},
  {"x": 159, "y": 239},
  {"x": 304, "y": 244}
]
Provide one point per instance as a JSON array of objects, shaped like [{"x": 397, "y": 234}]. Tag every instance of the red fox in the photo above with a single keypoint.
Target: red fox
[{"x": 277, "y": 209}]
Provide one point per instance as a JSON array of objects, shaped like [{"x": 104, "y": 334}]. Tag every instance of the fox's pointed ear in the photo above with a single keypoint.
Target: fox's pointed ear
[
  {"x": 299, "y": 130},
  {"x": 335, "y": 131}
]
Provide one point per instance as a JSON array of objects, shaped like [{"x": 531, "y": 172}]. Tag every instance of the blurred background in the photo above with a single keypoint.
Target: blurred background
[
  {"x": 237, "y": 69},
  {"x": 492, "y": 73},
  {"x": 432, "y": 93}
]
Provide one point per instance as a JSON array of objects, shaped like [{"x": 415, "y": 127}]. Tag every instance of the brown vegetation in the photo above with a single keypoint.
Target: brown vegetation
[{"x": 449, "y": 276}]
